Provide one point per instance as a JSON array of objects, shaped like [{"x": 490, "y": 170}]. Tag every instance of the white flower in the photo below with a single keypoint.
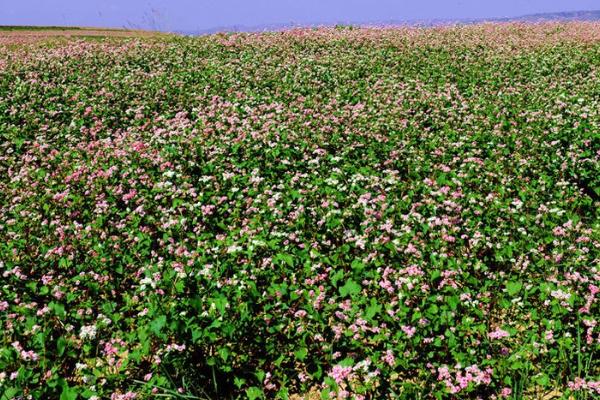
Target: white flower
[
  {"x": 88, "y": 332},
  {"x": 147, "y": 281},
  {"x": 234, "y": 249},
  {"x": 104, "y": 319},
  {"x": 205, "y": 271},
  {"x": 560, "y": 295}
]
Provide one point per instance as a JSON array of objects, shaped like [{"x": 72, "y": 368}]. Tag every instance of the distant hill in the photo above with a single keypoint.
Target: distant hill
[
  {"x": 559, "y": 16},
  {"x": 586, "y": 15}
]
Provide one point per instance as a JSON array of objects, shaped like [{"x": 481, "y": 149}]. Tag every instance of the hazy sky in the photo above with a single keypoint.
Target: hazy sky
[{"x": 190, "y": 15}]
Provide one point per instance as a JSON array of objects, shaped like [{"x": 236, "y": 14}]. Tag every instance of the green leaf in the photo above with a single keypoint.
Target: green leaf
[
  {"x": 337, "y": 276},
  {"x": 357, "y": 265},
  {"x": 61, "y": 343},
  {"x": 432, "y": 310},
  {"x": 58, "y": 309},
  {"x": 196, "y": 334},
  {"x": 543, "y": 380},
  {"x": 238, "y": 382},
  {"x": 68, "y": 393},
  {"x": 9, "y": 393},
  {"x": 350, "y": 288},
  {"x": 157, "y": 324},
  {"x": 513, "y": 287},
  {"x": 453, "y": 302},
  {"x": 253, "y": 393},
  {"x": 288, "y": 259},
  {"x": 301, "y": 353},
  {"x": 372, "y": 310},
  {"x": 224, "y": 353}
]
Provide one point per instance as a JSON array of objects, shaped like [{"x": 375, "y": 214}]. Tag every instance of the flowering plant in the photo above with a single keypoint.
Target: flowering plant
[{"x": 344, "y": 213}]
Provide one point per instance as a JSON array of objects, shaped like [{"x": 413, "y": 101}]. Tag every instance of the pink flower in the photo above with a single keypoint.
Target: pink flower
[
  {"x": 389, "y": 358},
  {"x": 208, "y": 209},
  {"x": 578, "y": 384},
  {"x": 300, "y": 314},
  {"x": 409, "y": 330},
  {"x": 505, "y": 392},
  {"x": 126, "y": 396},
  {"x": 110, "y": 349},
  {"x": 129, "y": 195},
  {"x": 43, "y": 311},
  {"x": 339, "y": 373},
  {"x": 387, "y": 285},
  {"x": 303, "y": 377},
  {"x": 29, "y": 356},
  {"x": 60, "y": 196},
  {"x": 448, "y": 238},
  {"x": 559, "y": 231},
  {"x": 498, "y": 334}
]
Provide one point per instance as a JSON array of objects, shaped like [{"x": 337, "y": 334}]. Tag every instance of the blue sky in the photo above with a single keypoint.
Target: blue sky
[{"x": 189, "y": 15}]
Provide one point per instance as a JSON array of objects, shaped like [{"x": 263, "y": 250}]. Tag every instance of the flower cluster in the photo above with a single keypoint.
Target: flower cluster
[{"x": 341, "y": 212}]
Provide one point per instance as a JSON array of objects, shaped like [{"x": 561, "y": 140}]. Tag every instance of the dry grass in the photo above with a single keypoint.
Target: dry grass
[
  {"x": 37, "y": 34},
  {"x": 313, "y": 394}
]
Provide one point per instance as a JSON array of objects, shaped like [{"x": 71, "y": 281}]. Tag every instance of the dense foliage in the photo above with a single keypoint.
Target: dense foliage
[{"x": 336, "y": 213}]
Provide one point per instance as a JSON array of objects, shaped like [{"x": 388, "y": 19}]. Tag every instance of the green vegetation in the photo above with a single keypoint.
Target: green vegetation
[{"x": 337, "y": 213}]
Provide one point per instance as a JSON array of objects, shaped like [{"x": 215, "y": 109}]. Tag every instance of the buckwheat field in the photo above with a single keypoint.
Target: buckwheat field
[{"x": 332, "y": 213}]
